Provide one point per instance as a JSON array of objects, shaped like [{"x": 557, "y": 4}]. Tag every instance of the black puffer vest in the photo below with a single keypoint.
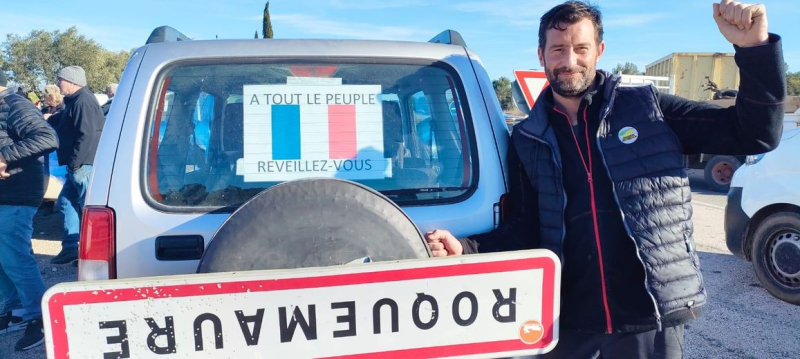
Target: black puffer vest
[{"x": 645, "y": 163}]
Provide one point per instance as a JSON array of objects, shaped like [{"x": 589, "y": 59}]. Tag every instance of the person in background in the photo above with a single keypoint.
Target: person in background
[
  {"x": 25, "y": 138},
  {"x": 53, "y": 101},
  {"x": 78, "y": 126},
  {"x": 111, "y": 90},
  {"x": 53, "y": 105}
]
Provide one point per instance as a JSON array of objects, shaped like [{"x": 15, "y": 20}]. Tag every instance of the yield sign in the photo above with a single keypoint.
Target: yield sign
[{"x": 532, "y": 83}]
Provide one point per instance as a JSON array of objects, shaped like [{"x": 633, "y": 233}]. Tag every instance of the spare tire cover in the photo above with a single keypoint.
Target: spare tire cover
[{"x": 313, "y": 223}]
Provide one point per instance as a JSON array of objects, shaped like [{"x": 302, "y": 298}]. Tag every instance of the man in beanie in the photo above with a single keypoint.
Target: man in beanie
[
  {"x": 25, "y": 138},
  {"x": 78, "y": 126}
]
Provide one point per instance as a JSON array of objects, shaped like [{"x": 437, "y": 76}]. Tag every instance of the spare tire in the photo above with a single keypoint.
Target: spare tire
[{"x": 313, "y": 223}]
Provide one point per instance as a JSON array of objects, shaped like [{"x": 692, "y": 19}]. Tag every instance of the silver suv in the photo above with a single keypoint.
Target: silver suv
[{"x": 199, "y": 127}]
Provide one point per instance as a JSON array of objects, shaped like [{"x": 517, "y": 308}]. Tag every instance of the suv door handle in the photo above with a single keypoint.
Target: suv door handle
[{"x": 179, "y": 248}]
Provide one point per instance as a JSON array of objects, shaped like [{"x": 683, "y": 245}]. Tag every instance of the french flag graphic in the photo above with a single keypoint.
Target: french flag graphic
[
  {"x": 302, "y": 131},
  {"x": 287, "y": 132}
]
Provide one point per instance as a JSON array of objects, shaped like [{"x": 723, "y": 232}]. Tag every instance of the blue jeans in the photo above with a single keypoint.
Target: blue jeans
[
  {"x": 70, "y": 202},
  {"x": 21, "y": 284}
]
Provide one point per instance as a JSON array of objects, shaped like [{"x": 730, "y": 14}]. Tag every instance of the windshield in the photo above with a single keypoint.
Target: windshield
[{"x": 221, "y": 133}]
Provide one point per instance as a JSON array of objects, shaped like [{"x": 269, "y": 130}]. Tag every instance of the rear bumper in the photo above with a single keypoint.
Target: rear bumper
[{"x": 736, "y": 223}]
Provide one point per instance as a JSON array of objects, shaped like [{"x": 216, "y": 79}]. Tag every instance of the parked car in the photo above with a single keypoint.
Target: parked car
[
  {"x": 762, "y": 217},
  {"x": 207, "y": 125}
]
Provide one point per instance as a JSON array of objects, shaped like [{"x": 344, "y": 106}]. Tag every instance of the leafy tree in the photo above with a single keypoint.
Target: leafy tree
[
  {"x": 629, "y": 68},
  {"x": 267, "y": 25},
  {"x": 34, "y": 60},
  {"x": 502, "y": 88}
]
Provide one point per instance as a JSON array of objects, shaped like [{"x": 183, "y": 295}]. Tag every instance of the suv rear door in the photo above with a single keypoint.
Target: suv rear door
[{"x": 209, "y": 124}]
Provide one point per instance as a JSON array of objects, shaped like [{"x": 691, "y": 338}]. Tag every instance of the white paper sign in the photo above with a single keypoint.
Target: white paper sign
[{"x": 301, "y": 131}]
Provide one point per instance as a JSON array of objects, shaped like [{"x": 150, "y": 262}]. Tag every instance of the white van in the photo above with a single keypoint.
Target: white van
[{"x": 762, "y": 218}]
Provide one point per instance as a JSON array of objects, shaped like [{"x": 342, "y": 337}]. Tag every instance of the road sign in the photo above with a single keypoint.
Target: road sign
[
  {"x": 486, "y": 305},
  {"x": 532, "y": 83}
]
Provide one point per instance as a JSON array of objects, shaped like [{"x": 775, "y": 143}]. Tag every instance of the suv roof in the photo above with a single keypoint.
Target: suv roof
[
  {"x": 166, "y": 37},
  {"x": 304, "y": 47}
]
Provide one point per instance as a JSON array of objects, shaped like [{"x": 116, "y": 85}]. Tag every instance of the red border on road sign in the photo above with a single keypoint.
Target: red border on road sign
[
  {"x": 58, "y": 301},
  {"x": 521, "y": 75}
]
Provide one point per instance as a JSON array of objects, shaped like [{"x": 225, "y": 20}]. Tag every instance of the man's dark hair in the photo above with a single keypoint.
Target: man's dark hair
[{"x": 568, "y": 13}]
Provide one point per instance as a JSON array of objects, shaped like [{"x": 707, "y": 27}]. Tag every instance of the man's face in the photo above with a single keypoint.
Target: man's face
[
  {"x": 569, "y": 58},
  {"x": 67, "y": 88}
]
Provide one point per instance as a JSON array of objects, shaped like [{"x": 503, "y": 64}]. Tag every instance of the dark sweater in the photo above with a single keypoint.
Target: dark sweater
[
  {"x": 24, "y": 138},
  {"x": 700, "y": 127},
  {"x": 79, "y": 127}
]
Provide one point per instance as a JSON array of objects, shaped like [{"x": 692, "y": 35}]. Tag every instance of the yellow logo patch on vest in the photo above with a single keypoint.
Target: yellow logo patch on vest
[{"x": 628, "y": 135}]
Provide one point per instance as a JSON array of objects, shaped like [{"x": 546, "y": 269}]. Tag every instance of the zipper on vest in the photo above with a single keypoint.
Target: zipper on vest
[
  {"x": 587, "y": 166},
  {"x": 604, "y": 113}
]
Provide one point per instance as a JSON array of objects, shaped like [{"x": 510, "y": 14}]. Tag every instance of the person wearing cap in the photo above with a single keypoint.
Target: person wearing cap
[
  {"x": 25, "y": 138},
  {"x": 78, "y": 126},
  {"x": 111, "y": 90}
]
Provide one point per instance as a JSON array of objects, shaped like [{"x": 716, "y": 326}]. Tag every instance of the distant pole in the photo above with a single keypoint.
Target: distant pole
[{"x": 267, "y": 24}]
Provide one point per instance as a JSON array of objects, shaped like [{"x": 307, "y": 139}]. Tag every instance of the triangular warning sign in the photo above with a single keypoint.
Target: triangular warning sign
[{"x": 531, "y": 83}]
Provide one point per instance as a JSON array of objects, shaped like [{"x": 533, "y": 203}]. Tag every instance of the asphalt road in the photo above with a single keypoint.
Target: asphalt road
[{"x": 741, "y": 320}]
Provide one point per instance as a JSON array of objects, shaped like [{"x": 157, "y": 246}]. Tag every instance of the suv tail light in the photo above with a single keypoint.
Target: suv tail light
[{"x": 97, "y": 260}]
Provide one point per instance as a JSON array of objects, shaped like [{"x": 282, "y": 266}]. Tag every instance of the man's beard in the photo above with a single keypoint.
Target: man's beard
[{"x": 574, "y": 87}]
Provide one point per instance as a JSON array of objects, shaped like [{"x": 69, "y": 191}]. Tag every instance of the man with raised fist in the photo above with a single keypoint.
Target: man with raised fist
[{"x": 596, "y": 175}]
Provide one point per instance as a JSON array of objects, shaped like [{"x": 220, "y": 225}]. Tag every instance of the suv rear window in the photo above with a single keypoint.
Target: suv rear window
[{"x": 221, "y": 133}]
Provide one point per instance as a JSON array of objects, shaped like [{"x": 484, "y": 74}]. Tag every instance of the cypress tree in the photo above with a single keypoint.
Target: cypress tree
[{"x": 267, "y": 25}]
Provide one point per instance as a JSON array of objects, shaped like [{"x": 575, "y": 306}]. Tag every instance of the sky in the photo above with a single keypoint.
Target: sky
[{"x": 502, "y": 32}]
